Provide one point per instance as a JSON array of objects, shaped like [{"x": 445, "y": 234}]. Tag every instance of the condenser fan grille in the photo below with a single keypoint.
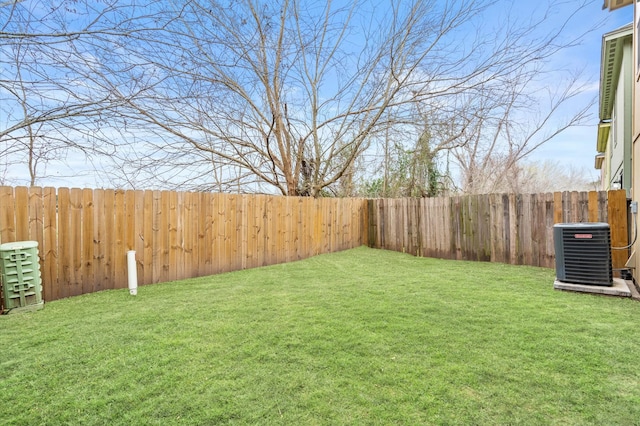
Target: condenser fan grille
[{"x": 583, "y": 253}]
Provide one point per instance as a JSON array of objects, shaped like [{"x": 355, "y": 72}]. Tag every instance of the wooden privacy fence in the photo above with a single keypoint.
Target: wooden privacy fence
[
  {"x": 509, "y": 228},
  {"x": 84, "y": 234}
]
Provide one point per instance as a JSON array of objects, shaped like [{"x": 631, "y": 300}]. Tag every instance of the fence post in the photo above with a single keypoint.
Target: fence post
[{"x": 617, "y": 218}]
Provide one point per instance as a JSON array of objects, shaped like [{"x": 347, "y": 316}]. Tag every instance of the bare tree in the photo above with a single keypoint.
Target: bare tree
[
  {"x": 60, "y": 72},
  {"x": 536, "y": 177},
  {"x": 509, "y": 100},
  {"x": 509, "y": 128},
  {"x": 285, "y": 96},
  {"x": 521, "y": 108},
  {"x": 288, "y": 95}
]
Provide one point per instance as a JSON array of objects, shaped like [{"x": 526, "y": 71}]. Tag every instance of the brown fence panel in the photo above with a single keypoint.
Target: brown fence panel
[
  {"x": 84, "y": 235},
  {"x": 508, "y": 228}
]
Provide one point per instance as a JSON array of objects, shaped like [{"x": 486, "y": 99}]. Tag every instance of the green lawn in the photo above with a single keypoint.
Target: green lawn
[{"x": 358, "y": 337}]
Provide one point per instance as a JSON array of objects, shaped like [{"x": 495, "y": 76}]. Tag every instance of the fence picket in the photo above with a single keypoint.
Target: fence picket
[
  {"x": 36, "y": 221},
  {"x": 148, "y": 217},
  {"x": 48, "y": 246},
  {"x": 22, "y": 213},
  {"x": 205, "y": 231},
  {"x": 99, "y": 246},
  {"x": 188, "y": 237},
  {"x": 75, "y": 241},
  {"x": 109, "y": 279},
  {"x": 88, "y": 278},
  {"x": 7, "y": 215},
  {"x": 172, "y": 245},
  {"x": 120, "y": 250},
  {"x": 137, "y": 233},
  {"x": 64, "y": 247}
]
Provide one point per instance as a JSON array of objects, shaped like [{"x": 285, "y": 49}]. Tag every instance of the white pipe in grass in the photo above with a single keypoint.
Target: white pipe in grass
[{"x": 132, "y": 272}]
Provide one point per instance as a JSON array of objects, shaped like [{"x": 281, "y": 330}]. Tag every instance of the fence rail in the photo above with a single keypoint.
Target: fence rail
[
  {"x": 84, "y": 234},
  {"x": 509, "y": 228}
]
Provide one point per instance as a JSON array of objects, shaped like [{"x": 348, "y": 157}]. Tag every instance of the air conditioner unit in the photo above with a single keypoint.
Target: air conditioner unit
[{"x": 583, "y": 253}]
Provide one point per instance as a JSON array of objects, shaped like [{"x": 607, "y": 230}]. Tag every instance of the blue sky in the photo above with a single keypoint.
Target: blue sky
[{"x": 577, "y": 146}]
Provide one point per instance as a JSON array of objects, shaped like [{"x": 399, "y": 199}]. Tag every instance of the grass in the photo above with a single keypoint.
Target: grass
[{"x": 358, "y": 337}]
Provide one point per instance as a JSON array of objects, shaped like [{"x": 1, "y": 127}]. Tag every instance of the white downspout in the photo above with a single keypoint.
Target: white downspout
[{"x": 132, "y": 272}]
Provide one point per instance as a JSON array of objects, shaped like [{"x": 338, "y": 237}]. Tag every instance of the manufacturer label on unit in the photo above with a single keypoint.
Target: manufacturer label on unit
[{"x": 583, "y": 236}]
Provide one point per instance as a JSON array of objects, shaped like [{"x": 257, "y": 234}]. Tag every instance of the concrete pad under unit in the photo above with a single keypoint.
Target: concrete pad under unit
[{"x": 619, "y": 288}]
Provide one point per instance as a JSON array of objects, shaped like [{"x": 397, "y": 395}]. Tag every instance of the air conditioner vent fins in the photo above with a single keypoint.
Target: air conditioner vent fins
[{"x": 583, "y": 253}]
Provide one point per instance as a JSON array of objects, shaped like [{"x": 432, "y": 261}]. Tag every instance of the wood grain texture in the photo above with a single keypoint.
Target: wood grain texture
[{"x": 83, "y": 235}]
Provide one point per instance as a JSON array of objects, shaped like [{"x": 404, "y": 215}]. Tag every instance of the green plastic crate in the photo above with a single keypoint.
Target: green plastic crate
[{"x": 20, "y": 276}]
